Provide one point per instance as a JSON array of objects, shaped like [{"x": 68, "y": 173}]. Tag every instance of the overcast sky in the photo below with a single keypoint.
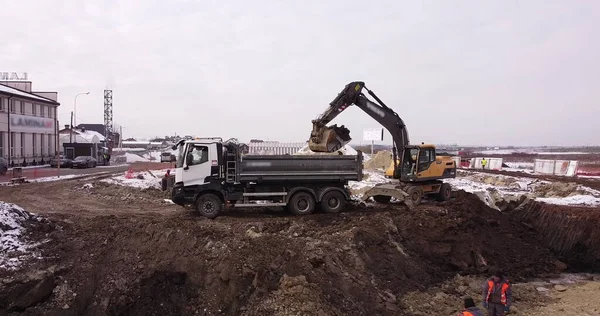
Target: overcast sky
[{"x": 510, "y": 72}]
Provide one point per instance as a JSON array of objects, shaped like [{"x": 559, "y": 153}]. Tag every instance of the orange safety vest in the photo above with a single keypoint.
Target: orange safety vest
[
  {"x": 466, "y": 313},
  {"x": 504, "y": 289}
]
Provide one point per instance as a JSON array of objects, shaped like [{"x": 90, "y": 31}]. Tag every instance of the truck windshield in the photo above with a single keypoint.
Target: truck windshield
[{"x": 180, "y": 156}]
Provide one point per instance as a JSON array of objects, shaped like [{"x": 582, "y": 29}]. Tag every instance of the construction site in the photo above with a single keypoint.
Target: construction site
[{"x": 328, "y": 230}]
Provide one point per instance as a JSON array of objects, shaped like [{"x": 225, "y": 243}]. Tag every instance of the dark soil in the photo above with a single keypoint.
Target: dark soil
[
  {"x": 135, "y": 255},
  {"x": 570, "y": 232}
]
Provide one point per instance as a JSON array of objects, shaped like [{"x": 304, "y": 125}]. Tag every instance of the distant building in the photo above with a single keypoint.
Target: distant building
[
  {"x": 273, "y": 147},
  {"x": 101, "y": 129},
  {"x": 28, "y": 123}
]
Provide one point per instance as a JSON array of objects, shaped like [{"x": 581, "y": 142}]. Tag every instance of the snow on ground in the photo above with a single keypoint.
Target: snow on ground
[
  {"x": 519, "y": 165},
  {"x": 134, "y": 158},
  {"x": 492, "y": 187},
  {"x": 141, "y": 180},
  {"x": 152, "y": 155},
  {"x": 55, "y": 178},
  {"x": 370, "y": 179},
  {"x": 13, "y": 246}
]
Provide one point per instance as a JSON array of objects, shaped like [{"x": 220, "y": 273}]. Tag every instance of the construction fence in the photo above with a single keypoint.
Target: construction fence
[
  {"x": 475, "y": 163},
  {"x": 556, "y": 167}
]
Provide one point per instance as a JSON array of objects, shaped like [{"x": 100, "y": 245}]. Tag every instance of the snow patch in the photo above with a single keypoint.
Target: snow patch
[
  {"x": 13, "y": 246},
  {"x": 493, "y": 187},
  {"x": 370, "y": 179},
  {"x": 141, "y": 180},
  {"x": 134, "y": 158}
]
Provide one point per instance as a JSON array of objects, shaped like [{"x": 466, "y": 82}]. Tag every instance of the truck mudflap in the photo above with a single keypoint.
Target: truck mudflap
[{"x": 389, "y": 190}]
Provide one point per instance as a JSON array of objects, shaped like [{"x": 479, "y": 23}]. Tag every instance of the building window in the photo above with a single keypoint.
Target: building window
[
  {"x": 33, "y": 109},
  {"x": 1, "y": 144},
  {"x": 12, "y": 105},
  {"x": 50, "y": 145},
  {"x": 42, "y": 110},
  {"x": 34, "y": 144},
  {"x": 42, "y": 147},
  {"x": 13, "y": 139},
  {"x": 22, "y": 144},
  {"x": 22, "y": 107},
  {"x": 1, "y": 104}
]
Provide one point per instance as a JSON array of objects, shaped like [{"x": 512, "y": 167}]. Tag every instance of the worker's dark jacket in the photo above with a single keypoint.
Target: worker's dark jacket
[{"x": 497, "y": 293}]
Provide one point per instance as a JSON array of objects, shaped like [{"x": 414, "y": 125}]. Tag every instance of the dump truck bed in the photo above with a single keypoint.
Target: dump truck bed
[{"x": 300, "y": 168}]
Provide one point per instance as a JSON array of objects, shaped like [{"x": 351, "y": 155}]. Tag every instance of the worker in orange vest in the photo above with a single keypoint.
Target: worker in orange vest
[
  {"x": 497, "y": 295},
  {"x": 470, "y": 308}
]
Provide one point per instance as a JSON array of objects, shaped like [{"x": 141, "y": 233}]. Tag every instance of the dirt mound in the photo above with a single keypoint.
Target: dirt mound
[
  {"x": 571, "y": 232},
  {"x": 154, "y": 260},
  {"x": 381, "y": 160}
]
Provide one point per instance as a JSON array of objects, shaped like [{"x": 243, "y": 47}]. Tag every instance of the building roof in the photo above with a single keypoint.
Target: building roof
[
  {"x": 20, "y": 93},
  {"x": 93, "y": 127}
]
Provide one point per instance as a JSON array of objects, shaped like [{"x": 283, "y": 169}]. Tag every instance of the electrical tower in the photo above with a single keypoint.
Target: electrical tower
[{"x": 108, "y": 119}]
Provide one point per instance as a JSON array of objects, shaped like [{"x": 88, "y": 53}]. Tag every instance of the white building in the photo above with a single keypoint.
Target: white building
[
  {"x": 274, "y": 148},
  {"x": 28, "y": 123}
]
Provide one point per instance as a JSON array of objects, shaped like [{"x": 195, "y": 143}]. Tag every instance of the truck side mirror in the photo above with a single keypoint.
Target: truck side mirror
[{"x": 189, "y": 159}]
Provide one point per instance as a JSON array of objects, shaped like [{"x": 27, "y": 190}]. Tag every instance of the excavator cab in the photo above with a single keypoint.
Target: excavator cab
[{"x": 421, "y": 163}]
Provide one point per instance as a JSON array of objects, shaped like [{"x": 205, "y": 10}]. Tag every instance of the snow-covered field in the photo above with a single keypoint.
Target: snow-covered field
[
  {"x": 492, "y": 188},
  {"x": 501, "y": 186},
  {"x": 13, "y": 246}
]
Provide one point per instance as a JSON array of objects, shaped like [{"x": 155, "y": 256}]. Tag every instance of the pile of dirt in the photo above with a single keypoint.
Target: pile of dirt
[
  {"x": 571, "y": 232},
  {"x": 381, "y": 160},
  {"x": 354, "y": 263}
]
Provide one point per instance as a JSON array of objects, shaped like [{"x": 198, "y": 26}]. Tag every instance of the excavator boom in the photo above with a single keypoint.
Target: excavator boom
[{"x": 325, "y": 138}]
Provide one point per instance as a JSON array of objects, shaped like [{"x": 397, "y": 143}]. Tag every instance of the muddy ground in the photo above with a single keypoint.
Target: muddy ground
[{"x": 110, "y": 250}]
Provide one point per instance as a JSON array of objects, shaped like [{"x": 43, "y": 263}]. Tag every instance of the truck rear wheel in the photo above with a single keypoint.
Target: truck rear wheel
[
  {"x": 301, "y": 203},
  {"x": 333, "y": 202},
  {"x": 209, "y": 205}
]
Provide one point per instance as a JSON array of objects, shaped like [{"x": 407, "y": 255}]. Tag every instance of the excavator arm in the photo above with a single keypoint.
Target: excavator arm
[{"x": 329, "y": 139}]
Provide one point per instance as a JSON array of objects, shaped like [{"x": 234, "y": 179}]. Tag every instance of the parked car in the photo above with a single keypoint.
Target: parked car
[
  {"x": 167, "y": 157},
  {"x": 64, "y": 162},
  {"x": 84, "y": 162},
  {"x": 3, "y": 166}
]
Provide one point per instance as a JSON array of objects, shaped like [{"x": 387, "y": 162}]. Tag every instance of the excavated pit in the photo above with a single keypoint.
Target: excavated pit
[
  {"x": 359, "y": 262},
  {"x": 572, "y": 233}
]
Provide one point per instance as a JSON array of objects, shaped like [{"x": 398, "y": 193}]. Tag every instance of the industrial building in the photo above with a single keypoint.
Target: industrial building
[
  {"x": 28, "y": 124},
  {"x": 260, "y": 147}
]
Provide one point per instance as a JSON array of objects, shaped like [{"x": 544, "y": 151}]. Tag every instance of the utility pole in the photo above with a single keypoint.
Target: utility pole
[
  {"x": 71, "y": 129},
  {"x": 75, "y": 105}
]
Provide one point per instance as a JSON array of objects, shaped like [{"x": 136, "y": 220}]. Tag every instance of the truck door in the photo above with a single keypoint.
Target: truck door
[{"x": 197, "y": 165}]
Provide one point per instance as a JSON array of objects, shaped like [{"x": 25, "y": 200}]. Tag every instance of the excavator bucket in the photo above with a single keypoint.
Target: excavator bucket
[{"x": 328, "y": 138}]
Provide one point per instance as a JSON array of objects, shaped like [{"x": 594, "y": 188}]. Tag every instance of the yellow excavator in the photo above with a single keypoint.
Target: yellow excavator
[{"x": 417, "y": 167}]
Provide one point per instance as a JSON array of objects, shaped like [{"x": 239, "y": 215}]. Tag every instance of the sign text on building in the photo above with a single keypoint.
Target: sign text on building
[
  {"x": 31, "y": 124},
  {"x": 13, "y": 76}
]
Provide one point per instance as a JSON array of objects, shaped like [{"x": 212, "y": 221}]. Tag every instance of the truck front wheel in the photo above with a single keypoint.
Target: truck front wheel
[
  {"x": 302, "y": 203},
  {"x": 209, "y": 205},
  {"x": 333, "y": 202}
]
